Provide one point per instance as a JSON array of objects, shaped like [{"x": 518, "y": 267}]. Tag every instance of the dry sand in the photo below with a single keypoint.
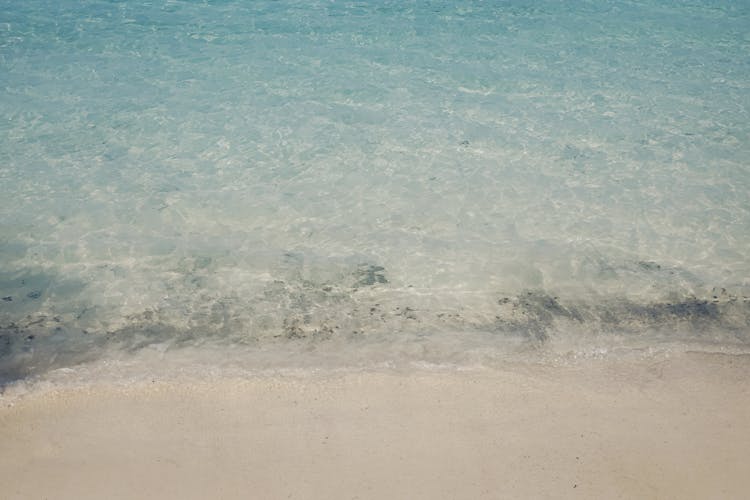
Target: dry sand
[{"x": 670, "y": 428}]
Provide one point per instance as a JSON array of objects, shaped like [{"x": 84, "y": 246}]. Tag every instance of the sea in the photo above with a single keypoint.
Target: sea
[{"x": 311, "y": 184}]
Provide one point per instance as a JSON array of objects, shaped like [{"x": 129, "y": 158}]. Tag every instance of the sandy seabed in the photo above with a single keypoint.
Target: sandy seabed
[{"x": 658, "y": 428}]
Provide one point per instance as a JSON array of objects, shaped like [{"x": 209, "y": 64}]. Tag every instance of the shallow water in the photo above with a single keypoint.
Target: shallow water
[{"x": 415, "y": 177}]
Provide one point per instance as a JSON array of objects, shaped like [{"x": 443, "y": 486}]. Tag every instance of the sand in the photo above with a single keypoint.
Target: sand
[{"x": 666, "y": 428}]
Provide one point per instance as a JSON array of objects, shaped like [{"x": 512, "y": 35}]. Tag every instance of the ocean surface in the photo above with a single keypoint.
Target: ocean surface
[{"x": 354, "y": 182}]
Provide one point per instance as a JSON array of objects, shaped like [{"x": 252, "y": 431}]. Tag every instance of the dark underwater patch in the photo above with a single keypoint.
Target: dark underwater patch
[
  {"x": 311, "y": 312},
  {"x": 369, "y": 275}
]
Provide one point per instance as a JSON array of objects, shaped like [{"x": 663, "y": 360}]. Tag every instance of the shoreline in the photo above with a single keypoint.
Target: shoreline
[{"x": 664, "y": 428}]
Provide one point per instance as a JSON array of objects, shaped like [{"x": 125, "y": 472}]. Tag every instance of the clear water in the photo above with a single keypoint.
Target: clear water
[{"x": 442, "y": 176}]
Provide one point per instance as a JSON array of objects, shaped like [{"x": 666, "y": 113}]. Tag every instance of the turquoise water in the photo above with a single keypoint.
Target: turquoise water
[{"x": 424, "y": 179}]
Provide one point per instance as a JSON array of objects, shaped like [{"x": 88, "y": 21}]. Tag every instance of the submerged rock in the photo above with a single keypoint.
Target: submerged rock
[{"x": 369, "y": 275}]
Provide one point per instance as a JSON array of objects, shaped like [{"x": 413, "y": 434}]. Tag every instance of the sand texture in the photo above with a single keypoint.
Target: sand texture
[{"x": 670, "y": 428}]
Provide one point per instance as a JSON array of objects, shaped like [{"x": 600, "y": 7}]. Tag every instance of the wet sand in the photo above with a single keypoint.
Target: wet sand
[{"x": 666, "y": 428}]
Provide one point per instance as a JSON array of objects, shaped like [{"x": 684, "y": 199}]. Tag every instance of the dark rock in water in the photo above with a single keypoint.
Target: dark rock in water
[
  {"x": 8, "y": 298},
  {"x": 292, "y": 329},
  {"x": 408, "y": 313},
  {"x": 649, "y": 266},
  {"x": 6, "y": 344},
  {"x": 693, "y": 308},
  {"x": 369, "y": 275},
  {"x": 34, "y": 295}
]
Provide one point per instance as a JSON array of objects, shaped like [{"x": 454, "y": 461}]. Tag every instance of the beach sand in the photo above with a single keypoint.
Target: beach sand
[{"x": 661, "y": 428}]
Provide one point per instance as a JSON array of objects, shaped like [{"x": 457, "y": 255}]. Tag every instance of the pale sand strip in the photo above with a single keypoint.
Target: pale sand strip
[{"x": 671, "y": 429}]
